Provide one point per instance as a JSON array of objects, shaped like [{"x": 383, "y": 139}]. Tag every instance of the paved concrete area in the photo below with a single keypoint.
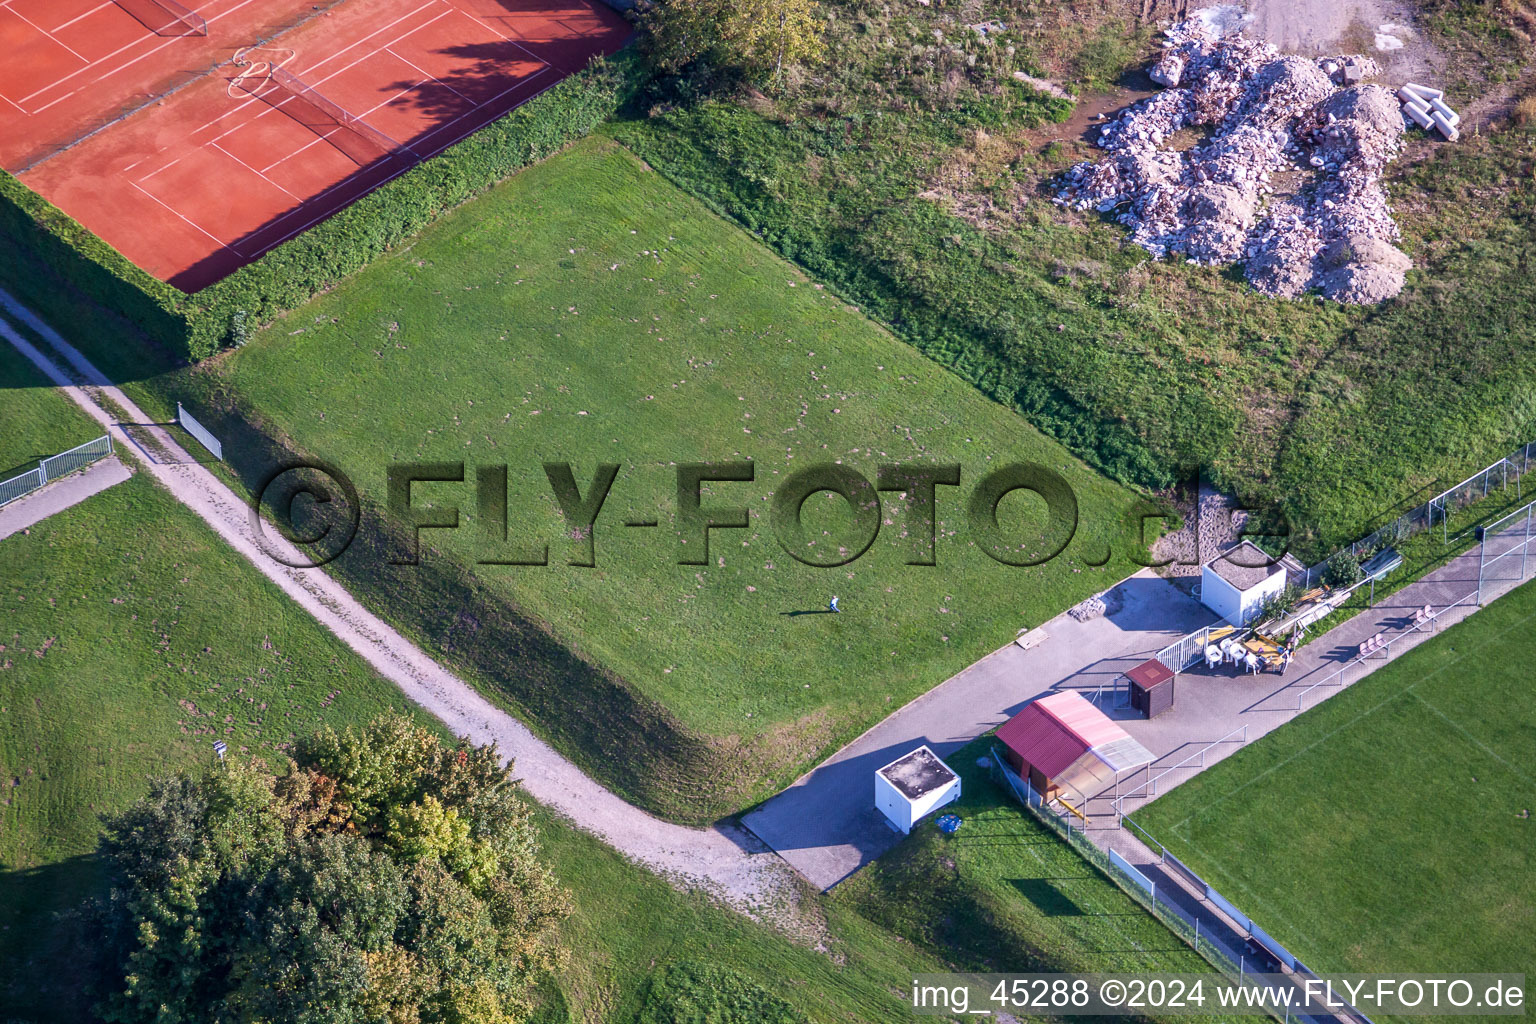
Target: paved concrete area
[
  {"x": 61, "y": 494},
  {"x": 826, "y": 826}
]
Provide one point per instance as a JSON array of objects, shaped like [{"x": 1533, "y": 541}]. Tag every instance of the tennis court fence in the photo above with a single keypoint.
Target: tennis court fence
[{"x": 54, "y": 467}]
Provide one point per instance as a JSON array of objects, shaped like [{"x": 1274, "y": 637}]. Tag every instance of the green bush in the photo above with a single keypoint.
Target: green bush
[
  {"x": 46, "y": 250},
  {"x": 49, "y": 251},
  {"x": 1343, "y": 570}
]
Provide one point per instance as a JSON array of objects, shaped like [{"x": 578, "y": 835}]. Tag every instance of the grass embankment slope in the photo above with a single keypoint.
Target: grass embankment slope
[
  {"x": 915, "y": 175},
  {"x": 35, "y": 420},
  {"x": 588, "y": 311},
  {"x": 133, "y": 639},
  {"x": 1393, "y": 827}
]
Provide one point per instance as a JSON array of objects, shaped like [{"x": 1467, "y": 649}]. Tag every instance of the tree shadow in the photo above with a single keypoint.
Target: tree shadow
[
  {"x": 49, "y": 962},
  {"x": 1047, "y": 898}
]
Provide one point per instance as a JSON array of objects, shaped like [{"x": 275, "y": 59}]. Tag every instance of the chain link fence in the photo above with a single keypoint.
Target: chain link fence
[{"x": 54, "y": 467}]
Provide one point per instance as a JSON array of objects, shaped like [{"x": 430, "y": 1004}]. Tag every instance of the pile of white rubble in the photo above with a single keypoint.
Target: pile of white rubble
[{"x": 1268, "y": 114}]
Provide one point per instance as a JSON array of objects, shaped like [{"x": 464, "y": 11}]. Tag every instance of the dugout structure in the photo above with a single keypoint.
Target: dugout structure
[{"x": 1069, "y": 750}]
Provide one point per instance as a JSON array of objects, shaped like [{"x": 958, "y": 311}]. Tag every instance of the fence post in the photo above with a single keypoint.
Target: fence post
[
  {"x": 1525, "y": 542},
  {"x": 1482, "y": 556}
]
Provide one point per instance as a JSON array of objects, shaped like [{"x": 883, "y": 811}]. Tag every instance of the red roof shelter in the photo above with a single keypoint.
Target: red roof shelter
[{"x": 1062, "y": 742}]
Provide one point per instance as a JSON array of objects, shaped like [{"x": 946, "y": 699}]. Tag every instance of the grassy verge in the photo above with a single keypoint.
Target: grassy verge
[
  {"x": 1005, "y": 893},
  {"x": 928, "y": 203},
  {"x": 1403, "y": 796},
  {"x": 35, "y": 420},
  {"x": 588, "y": 311}
]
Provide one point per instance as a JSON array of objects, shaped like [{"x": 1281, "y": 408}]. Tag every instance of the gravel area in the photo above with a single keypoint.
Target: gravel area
[{"x": 1286, "y": 181}]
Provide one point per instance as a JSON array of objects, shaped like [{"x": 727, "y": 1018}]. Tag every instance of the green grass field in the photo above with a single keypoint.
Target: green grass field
[
  {"x": 35, "y": 420},
  {"x": 1393, "y": 827},
  {"x": 1004, "y": 892},
  {"x": 917, "y": 179},
  {"x": 588, "y": 311},
  {"x": 133, "y": 639},
  {"x": 130, "y": 640}
]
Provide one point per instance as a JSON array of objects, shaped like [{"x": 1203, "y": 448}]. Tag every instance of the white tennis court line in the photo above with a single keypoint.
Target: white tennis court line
[
  {"x": 78, "y": 56},
  {"x": 506, "y": 38},
  {"x": 448, "y": 9},
  {"x": 544, "y": 66},
  {"x": 430, "y": 77},
  {"x": 272, "y": 108},
  {"x": 255, "y": 171},
  {"x": 424, "y": 157},
  {"x": 82, "y": 17},
  {"x": 172, "y": 41},
  {"x": 184, "y": 217}
]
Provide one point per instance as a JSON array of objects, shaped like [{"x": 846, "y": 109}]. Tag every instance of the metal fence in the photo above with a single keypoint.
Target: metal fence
[
  {"x": 1504, "y": 554},
  {"x": 1149, "y": 788},
  {"x": 1358, "y": 665},
  {"x": 1243, "y": 924},
  {"x": 1511, "y": 469},
  {"x": 203, "y": 434},
  {"x": 1187, "y": 650},
  {"x": 54, "y": 467},
  {"x": 1506, "y": 471},
  {"x": 1133, "y": 882}
]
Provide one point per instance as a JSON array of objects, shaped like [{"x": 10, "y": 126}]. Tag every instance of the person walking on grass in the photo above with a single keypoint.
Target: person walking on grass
[{"x": 832, "y": 605}]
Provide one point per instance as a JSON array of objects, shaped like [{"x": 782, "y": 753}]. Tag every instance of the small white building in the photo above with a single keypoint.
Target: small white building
[
  {"x": 913, "y": 785},
  {"x": 1236, "y": 585}
]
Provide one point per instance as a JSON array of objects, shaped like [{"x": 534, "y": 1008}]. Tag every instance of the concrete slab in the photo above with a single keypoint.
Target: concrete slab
[
  {"x": 61, "y": 494},
  {"x": 826, "y": 825}
]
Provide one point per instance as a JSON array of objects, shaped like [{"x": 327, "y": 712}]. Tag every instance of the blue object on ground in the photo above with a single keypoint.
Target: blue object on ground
[{"x": 949, "y": 823}]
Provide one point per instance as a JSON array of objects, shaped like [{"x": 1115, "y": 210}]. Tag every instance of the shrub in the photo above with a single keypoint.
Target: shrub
[{"x": 1342, "y": 570}]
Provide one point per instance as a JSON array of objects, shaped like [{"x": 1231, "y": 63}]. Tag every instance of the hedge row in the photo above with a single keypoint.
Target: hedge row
[{"x": 47, "y": 249}]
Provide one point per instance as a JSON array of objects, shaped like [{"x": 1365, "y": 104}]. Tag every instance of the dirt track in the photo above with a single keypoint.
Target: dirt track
[{"x": 1372, "y": 27}]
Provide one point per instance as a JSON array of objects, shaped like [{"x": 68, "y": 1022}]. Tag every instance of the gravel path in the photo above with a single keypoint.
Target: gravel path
[{"x": 724, "y": 860}]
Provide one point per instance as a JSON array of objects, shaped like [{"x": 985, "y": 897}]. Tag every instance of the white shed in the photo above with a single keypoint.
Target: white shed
[
  {"x": 913, "y": 785},
  {"x": 1236, "y": 585}
]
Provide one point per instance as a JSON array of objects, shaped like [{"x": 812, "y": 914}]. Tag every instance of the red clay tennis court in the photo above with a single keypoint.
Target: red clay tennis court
[{"x": 212, "y": 169}]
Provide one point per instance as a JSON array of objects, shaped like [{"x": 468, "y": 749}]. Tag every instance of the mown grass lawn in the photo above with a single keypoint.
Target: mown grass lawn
[
  {"x": 36, "y": 421},
  {"x": 133, "y": 639},
  {"x": 587, "y": 311},
  {"x": 130, "y": 640},
  {"x": 1393, "y": 827}
]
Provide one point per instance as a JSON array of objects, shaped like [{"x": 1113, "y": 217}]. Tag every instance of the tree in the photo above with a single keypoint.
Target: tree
[
  {"x": 756, "y": 38},
  {"x": 379, "y": 875}
]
